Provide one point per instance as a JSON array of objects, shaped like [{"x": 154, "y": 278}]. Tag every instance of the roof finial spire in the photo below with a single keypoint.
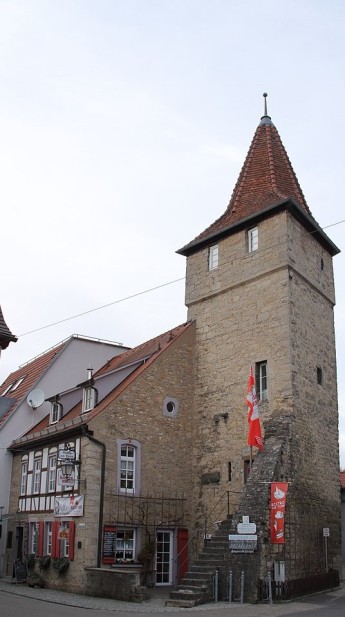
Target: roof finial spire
[
  {"x": 265, "y": 97},
  {"x": 265, "y": 118}
]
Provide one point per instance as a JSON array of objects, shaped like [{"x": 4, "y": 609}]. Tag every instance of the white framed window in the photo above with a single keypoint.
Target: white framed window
[
  {"x": 7, "y": 389},
  {"x": 128, "y": 468},
  {"x": 89, "y": 398},
  {"x": 64, "y": 539},
  {"x": 24, "y": 475},
  {"x": 261, "y": 380},
  {"x": 253, "y": 239},
  {"x": 125, "y": 545},
  {"x": 37, "y": 474},
  {"x": 55, "y": 412},
  {"x": 33, "y": 538},
  {"x": 213, "y": 257},
  {"x": 127, "y": 482},
  {"x": 51, "y": 476},
  {"x": 48, "y": 538},
  {"x": 17, "y": 383}
]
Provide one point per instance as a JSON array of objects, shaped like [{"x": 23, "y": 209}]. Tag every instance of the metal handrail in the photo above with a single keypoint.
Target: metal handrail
[{"x": 227, "y": 493}]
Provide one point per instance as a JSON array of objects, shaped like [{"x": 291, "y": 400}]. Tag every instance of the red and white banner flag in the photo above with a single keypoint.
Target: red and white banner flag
[
  {"x": 277, "y": 518},
  {"x": 254, "y": 432}
]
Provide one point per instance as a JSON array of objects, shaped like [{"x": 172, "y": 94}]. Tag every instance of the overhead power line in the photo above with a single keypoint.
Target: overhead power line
[
  {"x": 98, "y": 308},
  {"x": 140, "y": 293}
]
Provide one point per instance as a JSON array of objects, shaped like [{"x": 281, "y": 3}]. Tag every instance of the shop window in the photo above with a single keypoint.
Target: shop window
[{"x": 125, "y": 545}]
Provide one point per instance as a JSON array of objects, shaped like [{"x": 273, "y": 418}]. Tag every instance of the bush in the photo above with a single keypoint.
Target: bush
[
  {"x": 44, "y": 562},
  {"x": 60, "y": 565}
]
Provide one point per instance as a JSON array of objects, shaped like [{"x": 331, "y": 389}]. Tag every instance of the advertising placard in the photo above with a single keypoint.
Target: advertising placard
[
  {"x": 277, "y": 517},
  {"x": 69, "y": 506}
]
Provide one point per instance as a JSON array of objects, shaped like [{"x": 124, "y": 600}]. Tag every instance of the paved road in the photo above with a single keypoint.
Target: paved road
[{"x": 22, "y": 601}]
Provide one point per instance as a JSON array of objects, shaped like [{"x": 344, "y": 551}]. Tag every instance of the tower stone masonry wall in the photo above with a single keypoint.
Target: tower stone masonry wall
[
  {"x": 273, "y": 305},
  {"x": 242, "y": 316}
]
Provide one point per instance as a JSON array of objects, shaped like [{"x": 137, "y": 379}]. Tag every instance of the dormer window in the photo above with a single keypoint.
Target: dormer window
[
  {"x": 89, "y": 398},
  {"x": 56, "y": 412}
]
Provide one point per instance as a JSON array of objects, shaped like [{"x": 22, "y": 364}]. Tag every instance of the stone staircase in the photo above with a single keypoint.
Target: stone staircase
[{"x": 197, "y": 585}]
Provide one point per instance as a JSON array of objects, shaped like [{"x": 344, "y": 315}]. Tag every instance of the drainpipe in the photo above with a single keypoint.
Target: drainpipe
[{"x": 85, "y": 433}]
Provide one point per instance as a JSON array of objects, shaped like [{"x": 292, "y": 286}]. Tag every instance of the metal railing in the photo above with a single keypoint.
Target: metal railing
[{"x": 287, "y": 590}]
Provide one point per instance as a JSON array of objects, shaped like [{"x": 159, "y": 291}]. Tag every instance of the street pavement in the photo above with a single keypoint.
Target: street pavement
[{"x": 156, "y": 604}]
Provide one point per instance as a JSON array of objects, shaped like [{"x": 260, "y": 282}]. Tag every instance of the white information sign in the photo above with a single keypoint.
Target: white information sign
[
  {"x": 246, "y": 528},
  {"x": 66, "y": 455}
]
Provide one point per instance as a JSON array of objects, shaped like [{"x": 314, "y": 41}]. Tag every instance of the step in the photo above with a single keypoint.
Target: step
[
  {"x": 213, "y": 560},
  {"x": 213, "y": 550},
  {"x": 186, "y": 598},
  {"x": 202, "y": 568},
  {"x": 195, "y": 575},
  {"x": 195, "y": 586}
]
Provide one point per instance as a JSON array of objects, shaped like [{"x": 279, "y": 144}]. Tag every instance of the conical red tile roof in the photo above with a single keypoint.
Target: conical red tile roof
[{"x": 267, "y": 179}]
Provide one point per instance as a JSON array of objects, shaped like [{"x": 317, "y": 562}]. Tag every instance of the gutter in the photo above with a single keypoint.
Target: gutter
[{"x": 86, "y": 433}]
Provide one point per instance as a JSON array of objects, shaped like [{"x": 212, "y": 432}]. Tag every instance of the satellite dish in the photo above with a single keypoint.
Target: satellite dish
[{"x": 35, "y": 398}]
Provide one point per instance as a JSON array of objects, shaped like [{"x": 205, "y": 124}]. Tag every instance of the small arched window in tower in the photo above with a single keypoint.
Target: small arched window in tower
[
  {"x": 319, "y": 375},
  {"x": 322, "y": 264}
]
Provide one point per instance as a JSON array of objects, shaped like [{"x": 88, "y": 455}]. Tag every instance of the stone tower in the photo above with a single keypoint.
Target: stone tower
[{"x": 259, "y": 285}]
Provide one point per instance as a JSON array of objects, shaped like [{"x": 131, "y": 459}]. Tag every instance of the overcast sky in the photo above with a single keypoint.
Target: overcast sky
[{"x": 123, "y": 128}]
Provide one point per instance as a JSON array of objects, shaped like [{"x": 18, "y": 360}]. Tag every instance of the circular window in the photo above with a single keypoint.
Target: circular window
[{"x": 170, "y": 407}]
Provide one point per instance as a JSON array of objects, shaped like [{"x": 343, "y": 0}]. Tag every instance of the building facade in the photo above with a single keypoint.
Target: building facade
[
  {"x": 24, "y": 400},
  {"x": 160, "y": 437},
  {"x": 125, "y": 504}
]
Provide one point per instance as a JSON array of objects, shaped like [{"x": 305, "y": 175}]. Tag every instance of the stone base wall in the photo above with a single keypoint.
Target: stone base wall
[{"x": 113, "y": 584}]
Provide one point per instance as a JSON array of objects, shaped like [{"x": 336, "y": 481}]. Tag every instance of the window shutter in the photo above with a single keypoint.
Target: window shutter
[
  {"x": 71, "y": 535},
  {"x": 182, "y": 552},
  {"x": 55, "y": 540},
  {"x": 40, "y": 545}
]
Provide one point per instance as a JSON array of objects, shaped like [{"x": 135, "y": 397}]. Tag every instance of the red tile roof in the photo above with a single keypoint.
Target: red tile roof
[
  {"x": 145, "y": 354},
  {"x": 31, "y": 372},
  {"x": 266, "y": 179},
  {"x": 6, "y": 336},
  {"x": 342, "y": 479}
]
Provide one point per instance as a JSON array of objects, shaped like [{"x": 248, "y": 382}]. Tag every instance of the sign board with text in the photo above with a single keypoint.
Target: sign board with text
[
  {"x": 243, "y": 543},
  {"x": 246, "y": 528}
]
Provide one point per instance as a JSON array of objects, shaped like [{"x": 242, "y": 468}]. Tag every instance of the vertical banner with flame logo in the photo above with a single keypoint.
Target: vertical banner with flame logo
[{"x": 277, "y": 519}]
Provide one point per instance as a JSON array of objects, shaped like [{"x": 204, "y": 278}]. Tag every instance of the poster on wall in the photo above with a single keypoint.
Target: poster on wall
[
  {"x": 109, "y": 544},
  {"x": 69, "y": 506},
  {"x": 277, "y": 518}
]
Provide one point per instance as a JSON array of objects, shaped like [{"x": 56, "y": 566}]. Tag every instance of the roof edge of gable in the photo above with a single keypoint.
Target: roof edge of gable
[{"x": 289, "y": 204}]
